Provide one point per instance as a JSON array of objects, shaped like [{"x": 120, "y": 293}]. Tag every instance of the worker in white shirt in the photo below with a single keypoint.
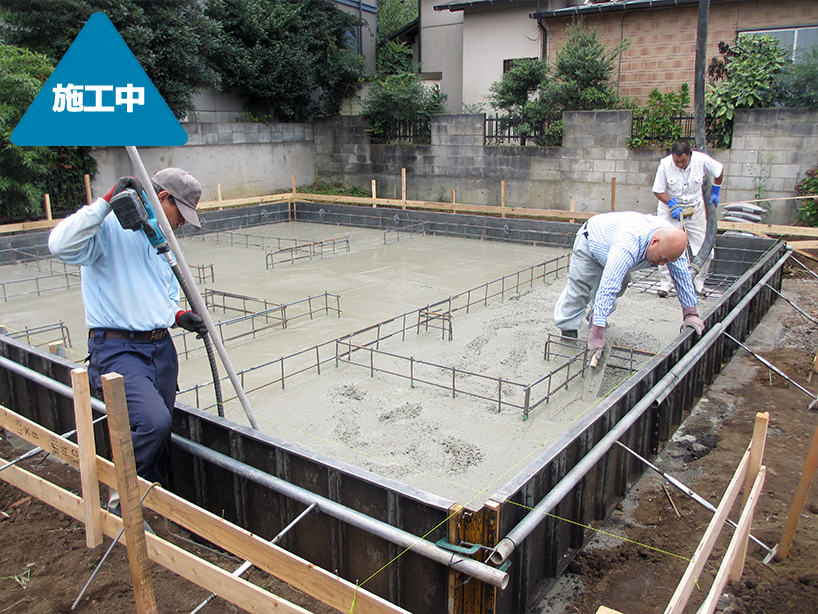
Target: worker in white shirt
[{"x": 678, "y": 186}]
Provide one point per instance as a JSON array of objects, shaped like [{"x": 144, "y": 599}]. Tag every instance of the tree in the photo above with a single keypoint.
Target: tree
[
  {"x": 288, "y": 58},
  {"x": 582, "y": 72},
  {"x": 797, "y": 84},
  {"x": 393, "y": 15},
  {"x": 401, "y": 97},
  {"x": 743, "y": 78},
  {"x": 532, "y": 95},
  {"x": 27, "y": 172},
  {"x": 171, "y": 39}
]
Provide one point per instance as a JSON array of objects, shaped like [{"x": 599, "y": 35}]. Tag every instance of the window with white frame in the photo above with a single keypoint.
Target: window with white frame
[{"x": 797, "y": 41}]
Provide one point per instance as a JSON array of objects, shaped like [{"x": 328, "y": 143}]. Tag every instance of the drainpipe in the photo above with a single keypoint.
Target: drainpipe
[
  {"x": 476, "y": 569},
  {"x": 653, "y": 398}
]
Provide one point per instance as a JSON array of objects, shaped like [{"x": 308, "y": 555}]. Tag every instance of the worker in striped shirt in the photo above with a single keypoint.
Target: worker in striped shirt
[{"x": 606, "y": 249}]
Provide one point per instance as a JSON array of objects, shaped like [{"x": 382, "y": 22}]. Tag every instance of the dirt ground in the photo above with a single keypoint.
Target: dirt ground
[{"x": 44, "y": 562}]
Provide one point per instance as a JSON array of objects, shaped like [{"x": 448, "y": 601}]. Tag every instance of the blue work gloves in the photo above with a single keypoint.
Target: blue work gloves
[
  {"x": 192, "y": 322},
  {"x": 692, "y": 320},
  {"x": 714, "y": 195},
  {"x": 675, "y": 209}
]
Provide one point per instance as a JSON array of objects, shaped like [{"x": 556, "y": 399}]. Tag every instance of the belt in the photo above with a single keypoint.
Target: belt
[{"x": 131, "y": 335}]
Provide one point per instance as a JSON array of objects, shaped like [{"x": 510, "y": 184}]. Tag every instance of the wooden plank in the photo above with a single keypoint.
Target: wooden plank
[
  {"x": 453, "y": 536},
  {"x": 113, "y": 390},
  {"x": 301, "y": 574},
  {"x": 757, "y": 445},
  {"x": 236, "y": 590},
  {"x": 603, "y": 610},
  {"x": 800, "y": 498},
  {"x": 732, "y": 565},
  {"x": 87, "y": 457},
  {"x": 697, "y": 562}
]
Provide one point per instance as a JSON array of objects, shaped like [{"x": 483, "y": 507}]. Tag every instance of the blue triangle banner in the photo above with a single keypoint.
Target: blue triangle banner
[{"x": 99, "y": 95}]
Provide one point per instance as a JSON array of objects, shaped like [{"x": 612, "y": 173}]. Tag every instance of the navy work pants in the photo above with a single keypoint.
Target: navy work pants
[{"x": 149, "y": 373}]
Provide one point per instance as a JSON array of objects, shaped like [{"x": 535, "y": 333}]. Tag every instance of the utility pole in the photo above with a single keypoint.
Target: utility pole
[{"x": 699, "y": 111}]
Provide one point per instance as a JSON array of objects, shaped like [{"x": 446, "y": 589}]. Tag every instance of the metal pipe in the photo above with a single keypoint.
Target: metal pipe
[
  {"x": 242, "y": 569},
  {"x": 471, "y": 567},
  {"x": 689, "y": 492},
  {"x": 654, "y": 397},
  {"x": 404, "y": 539},
  {"x": 195, "y": 298},
  {"x": 770, "y": 365}
]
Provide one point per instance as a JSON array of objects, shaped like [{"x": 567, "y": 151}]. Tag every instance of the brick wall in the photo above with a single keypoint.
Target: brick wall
[
  {"x": 662, "y": 52},
  {"x": 776, "y": 146}
]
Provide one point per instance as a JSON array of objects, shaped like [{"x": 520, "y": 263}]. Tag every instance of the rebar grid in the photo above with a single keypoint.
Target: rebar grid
[
  {"x": 67, "y": 276},
  {"x": 274, "y": 371},
  {"x": 243, "y": 239},
  {"x": 204, "y": 272},
  {"x": 38, "y": 331},
  {"x": 273, "y": 316},
  {"x": 453, "y": 375},
  {"x": 303, "y": 251},
  {"x": 410, "y": 229},
  {"x": 715, "y": 284}
]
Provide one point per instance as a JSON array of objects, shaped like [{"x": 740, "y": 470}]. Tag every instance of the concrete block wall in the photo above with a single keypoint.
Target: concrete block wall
[
  {"x": 780, "y": 142},
  {"x": 244, "y": 158},
  {"x": 772, "y": 150}
]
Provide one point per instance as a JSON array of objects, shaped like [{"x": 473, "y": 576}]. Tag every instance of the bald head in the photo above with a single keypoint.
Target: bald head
[{"x": 667, "y": 244}]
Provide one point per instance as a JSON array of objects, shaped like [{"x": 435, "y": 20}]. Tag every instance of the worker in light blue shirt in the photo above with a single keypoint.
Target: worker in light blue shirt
[
  {"x": 131, "y": 298},
  {"x": 606, "y": 249}
]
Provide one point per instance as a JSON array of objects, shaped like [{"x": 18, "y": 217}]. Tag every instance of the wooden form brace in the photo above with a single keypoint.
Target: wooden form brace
[
  {"x": 299, "y": 573},
  {"x": 732, "y": 565}
]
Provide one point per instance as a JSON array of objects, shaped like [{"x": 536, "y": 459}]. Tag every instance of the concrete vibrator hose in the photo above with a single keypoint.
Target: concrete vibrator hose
[{"x": 195, "y": 299}]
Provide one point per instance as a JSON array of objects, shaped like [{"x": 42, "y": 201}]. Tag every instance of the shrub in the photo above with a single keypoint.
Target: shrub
[
  {"x": 660, "y": 126},
  {"x": 400, "y": 97},
  {"x": 808, "y": 212}
]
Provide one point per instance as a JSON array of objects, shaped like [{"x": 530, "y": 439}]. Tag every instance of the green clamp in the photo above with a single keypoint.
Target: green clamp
[{"x": 468, "y": 549}]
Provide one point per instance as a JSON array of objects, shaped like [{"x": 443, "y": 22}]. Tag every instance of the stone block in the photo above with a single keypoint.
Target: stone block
[{"x": 605, "y": 166}]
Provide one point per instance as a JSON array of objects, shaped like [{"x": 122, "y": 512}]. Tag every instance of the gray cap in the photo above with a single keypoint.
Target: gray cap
[{"x": 184, "y": 188}]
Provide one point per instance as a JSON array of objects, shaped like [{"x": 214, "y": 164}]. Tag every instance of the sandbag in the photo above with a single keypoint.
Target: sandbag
[
  {"x": 742, "y": 217},
  {"x": 745, "y": 208}
]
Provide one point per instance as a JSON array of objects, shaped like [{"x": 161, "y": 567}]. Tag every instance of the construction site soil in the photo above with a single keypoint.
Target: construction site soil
[{"x": 634, "y": 563}]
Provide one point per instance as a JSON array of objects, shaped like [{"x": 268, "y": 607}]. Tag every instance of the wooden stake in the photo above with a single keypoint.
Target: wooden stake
[
  {"x": 453, "y": 536},
  {"x": 294, "y": 191},
  {"x": 403, "y": 186},
  {"x": 374, "y": 192},
  {"x": 613, "y": 193},
  {"x": 57, "y": 348},
  {"x": 669, "y": 498},
  {"x": 47, "y": 199},
  {"x": 453, "y": 191},
  {"x": 113, "y": 390},
  {"x": 799, "y": 499},
  {"x": 219, "y": 192},
  {"x": 757, "y": 446},
  {"x": 815, "y": 362},
  {"x": 304, "y": 576},
  {"x": 88, "y": 198},
  {"x": 503, "y": 194},
  {"x": 573, "y": 207},
  {"x": 88, "y": 457}
]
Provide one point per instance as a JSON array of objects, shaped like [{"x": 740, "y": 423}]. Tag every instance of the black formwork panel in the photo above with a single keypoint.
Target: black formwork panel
[
  {"x": 543, "y": 556},
  {"x": 414, "y": 582},
  {"x": 509, "y": 230}
]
